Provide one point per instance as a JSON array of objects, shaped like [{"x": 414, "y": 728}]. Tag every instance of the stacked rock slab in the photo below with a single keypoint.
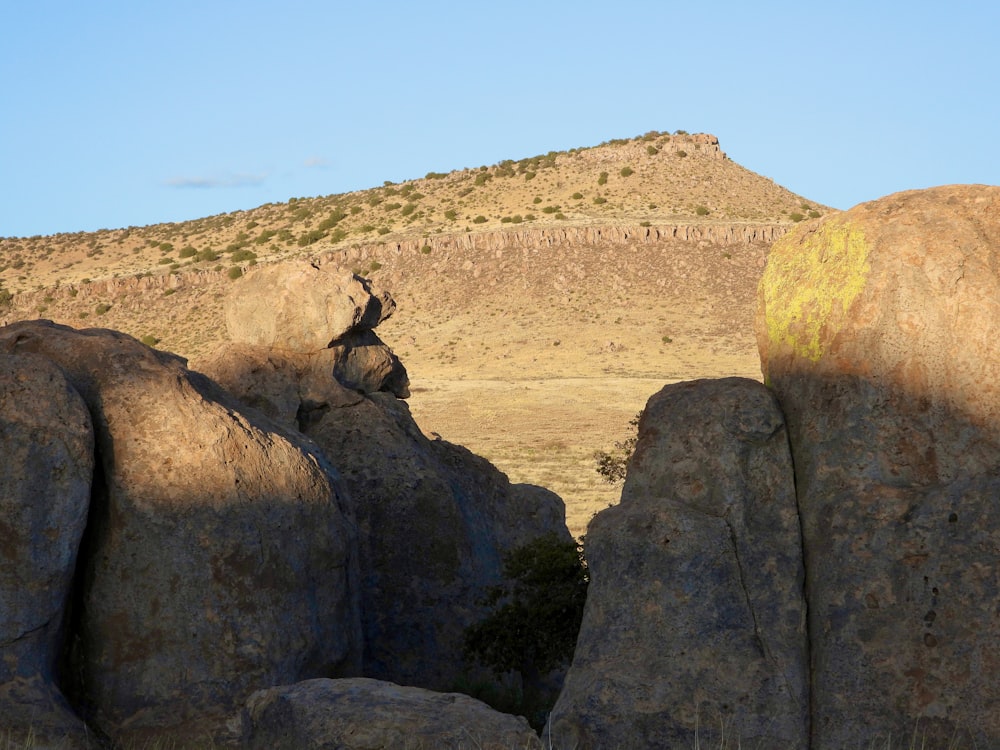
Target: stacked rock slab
[
  {"x": 434, "y": 520},
  {"x": 694, "y": 628},
  {"x": 879, "y": 331},
  {"x": 217, "y": 558},
  {"x": 362, "y": 714},
  {"x": 48, "y": 462}
]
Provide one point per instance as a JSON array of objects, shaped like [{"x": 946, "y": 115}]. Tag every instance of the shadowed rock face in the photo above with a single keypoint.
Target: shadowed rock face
[
  {"x": 360, "y": 714},
  {"x": 48, "y": 463},
  {"x": 217, "y": 557},
  {"x": 879, "y": 331},
  {"x": 695, "y": 618}
]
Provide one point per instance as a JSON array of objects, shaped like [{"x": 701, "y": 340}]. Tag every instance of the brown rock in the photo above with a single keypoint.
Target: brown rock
[
  {"x": 364, "y": 714},
  {"x": 694, "y": 628},
  {"x": 879, "y": 330},
  {"x": 302, "y": 307},
  {"x": 48, "y": 446},
  {"x": 434, "y": 520},
  {"x": 219, "y": 559}
]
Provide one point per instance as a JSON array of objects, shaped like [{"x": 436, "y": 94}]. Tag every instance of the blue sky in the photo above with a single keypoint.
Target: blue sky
[{"x": 130, "y": 113}]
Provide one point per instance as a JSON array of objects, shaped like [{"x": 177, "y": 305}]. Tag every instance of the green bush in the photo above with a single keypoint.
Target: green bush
[
  {"x": 426, "y": 249},
  {"x": 626, "y": 172},
  {"x": 234, "y": 273},
  {"x": 536, "y": 615},
  {"x": 652, "y": 150},
  {"x": 479, "y": 219},
  {"x": 701, "y": 210},
  {"x": 796, "y": 216},
  {"x": 102, "y": 308},
  {"x": 682, "y": 154},
  {"x": 602, "y": 179},
  {"x": 451, "y": 214},
  {"x": 242, "y": 256},
  {"x": 577, "y": 196},
  {"x": 187, "y": 252},
  {"x": 149, "y": 340},
  {"x": 598, "y": 200},
  {"x": 550, "y": 210}
]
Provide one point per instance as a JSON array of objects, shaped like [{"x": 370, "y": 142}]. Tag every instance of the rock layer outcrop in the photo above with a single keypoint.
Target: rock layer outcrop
[
  {"x": 879, "y": 331},
  {"x": 694, "y": 629}
]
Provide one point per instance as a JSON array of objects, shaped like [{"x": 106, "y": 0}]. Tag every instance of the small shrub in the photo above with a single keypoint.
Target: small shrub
[
  {"x": 149, "y": 340},
  {"x": 408, "y": 209},
  {"x": 536, "y": 200},
  {"x": 383, "y": 230},
  {"x": 682, "y": 154},
  {"x": 451, "y": 214},
  {"x": 426, "y": 249},
  {"x": 187, "y": 252},
  {"x": 577, "y": 196},
  {"x": 375, "y": 266},
  {"x": 234, "y": 273},
  {"x": 479, "y": 219},
  {"x": 796, "y": 216},
  {"x": 612, "y": 465},
  {"x": 559, "y": 216},
  {"x": 529, "y": 176},
  {"x": 645, "y": 224},
  {"x": 102, "y": 308},
  {"x": 652, "y": 150},
  {"x": 701, "y": 210},
  {"x": 598, "y": 200},
  {"x": 168, "y": 292},
  {"x": 626, "y": 172},
  {"x": 602, "y": 179},
  {"x": 814, "y": 214},
  {"x": 435, "y": 176},
  {"x": 207, "y": 255}
]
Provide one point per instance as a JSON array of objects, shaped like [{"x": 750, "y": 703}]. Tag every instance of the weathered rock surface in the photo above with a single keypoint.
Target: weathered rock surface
[
  {"x": 47, "y": 442},
  {"x": 302, "y": 307},
  {"x": 434, "y": 520},
  {"x": 879, "y": 330},
  {"x": 364, "y": 714},
  {"x": 218, "y": 558},
  {"x": 694, "y": 628}
]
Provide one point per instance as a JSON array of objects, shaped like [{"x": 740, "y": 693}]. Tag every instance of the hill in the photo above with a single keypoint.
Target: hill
[{"x": 540, "y": 301}]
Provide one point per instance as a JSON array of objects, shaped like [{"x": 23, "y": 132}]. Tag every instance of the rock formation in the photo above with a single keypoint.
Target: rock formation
[
  {"x": 48, "y": 441},
  {"x": 217, "y": 557},
  {"x": 434, "y": 520},
  {"x": 879, "y": 331},
  {"x": 694, "y": 629},
  {"x": 361, "y": 714}
]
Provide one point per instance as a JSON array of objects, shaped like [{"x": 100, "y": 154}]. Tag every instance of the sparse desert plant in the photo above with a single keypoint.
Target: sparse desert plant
[
  {"x": 187, "y": 252},
  {"x": 102, "y": 308},
  {"x": 451, "y": 214},
  {"x": 599, "y": 200},
  {"x": 577, "y": 196},
  {"x": 602, "y": 178},
  {"x": 701, "y": 210},
  {"x": 234, "y": 272},
  {"x": 626, "y": 172},
  {"x": 149, "y": 340},
  {"x": 682, "y": 154},
  {"x": 652, "y": 150},
  {"x": 612, "y": 465},
  {"x": 426, "y": 249},
  {"x": 796, "y": 216},
  {"x": 479, "y": 219}
]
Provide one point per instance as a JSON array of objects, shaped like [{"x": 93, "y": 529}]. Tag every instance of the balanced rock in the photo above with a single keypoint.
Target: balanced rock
[
  {"x": 364, "y": 714},
  {"x": 879, "y": 331},
  {"x": 302, "y": 307},
  {"x": 219, "y": 558},
  {"x": 47, "y": 441},
  {"x": 694, "y": 627}
]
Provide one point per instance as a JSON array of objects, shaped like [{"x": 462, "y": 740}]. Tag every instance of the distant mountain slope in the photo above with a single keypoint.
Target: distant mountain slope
[{"x": 657, "y": 178}]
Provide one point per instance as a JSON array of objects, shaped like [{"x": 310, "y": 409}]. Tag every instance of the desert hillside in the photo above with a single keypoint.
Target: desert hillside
[{"x": 540, "y": 301}]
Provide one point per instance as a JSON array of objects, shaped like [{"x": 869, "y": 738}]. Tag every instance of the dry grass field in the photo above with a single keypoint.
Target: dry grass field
[{"x": 540, "y": 301}]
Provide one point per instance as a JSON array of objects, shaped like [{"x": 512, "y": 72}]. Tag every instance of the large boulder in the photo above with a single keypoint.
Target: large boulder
[
  {"x": 47, "y": 442},
  {"x": 302, "y": 307},
  {"x": 218, "y": 558},
  {"x": 434, "y": 520},
  {"x": 879, "y": 331},
  {"x": 694, "y": 628},
  {"x": 364, "y": 714}
]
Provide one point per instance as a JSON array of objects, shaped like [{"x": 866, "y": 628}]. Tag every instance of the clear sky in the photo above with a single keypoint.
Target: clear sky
[{"x": 131, "y": 112}]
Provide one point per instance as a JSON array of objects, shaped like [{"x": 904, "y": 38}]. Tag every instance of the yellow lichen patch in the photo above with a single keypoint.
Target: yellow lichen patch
[{"x": 807, "y": 279}]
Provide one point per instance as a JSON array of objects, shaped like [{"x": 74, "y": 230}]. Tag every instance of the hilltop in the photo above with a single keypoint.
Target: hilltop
[{"x": 540, "y": 301}]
